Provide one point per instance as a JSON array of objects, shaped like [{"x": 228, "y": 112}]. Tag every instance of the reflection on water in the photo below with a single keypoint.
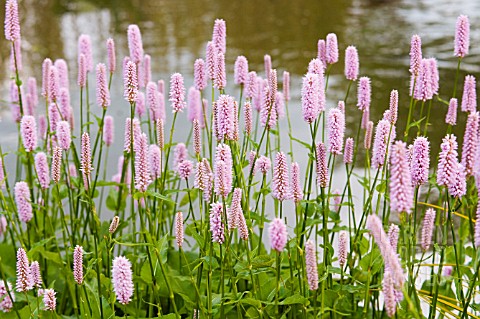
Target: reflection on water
[{"x": 175, "y": 34}]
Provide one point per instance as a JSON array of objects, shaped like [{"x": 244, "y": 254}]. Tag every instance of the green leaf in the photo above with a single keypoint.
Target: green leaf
[
  {"x": 262, "y": 261},
  {"x": 382, "y": 187},
  {"x": 308, "y": 146},
  {"x": 211, "y": 262},
  {"x": 252, "y": 302},
  {"x": 295, "y": 299},
  {"x": 416, "y": 123},
  {"x": 159, "y": 196},
  {"x": 162, "y": 247},
  {"x": 186, "y": 199}
]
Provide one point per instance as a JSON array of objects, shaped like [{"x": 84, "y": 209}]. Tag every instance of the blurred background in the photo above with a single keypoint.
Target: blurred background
[{"x": 175, "y": 34}]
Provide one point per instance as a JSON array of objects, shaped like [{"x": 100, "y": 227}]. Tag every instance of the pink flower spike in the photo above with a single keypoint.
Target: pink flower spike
[
  {"x": 235, "y": 210},
  {"x": 280, "y": 184},
  {"x": 267, "y": 61},
  {"x": 111, "y": 57},
  {"x": 458, "y": 188},
  {"x": 46, "y": 65},
  {"x": 57, "y": 164},
  {"x": 223, "y": 179},
  {"x": 160, "y": 133},
  {"x": 469, "y": 98},
  {"x": 140, "y": 104},
  {"x": 247, "y": 109},
  {"x": 393, "y": 232},
  {"x": 155, "y": 161},
  {"x": 103, "y": 93},
  {"x": 462, "y": 36},
  {"x": 348, "y": 153},
  {"x": 286, "y": 85},
  {"x": 108, "y": 130},
  {"x": 451, "y": 117},
  {"x": 381, "y": 151},
  {"x": 420, "y": 161},
  {"x": 82, "y": 71},
  {"x": 142, "y": 178},
  {"x": 122, "y": 279},
  {"x": 241, "y": 70},
  {"x": 351, "y": 63},
  {"x": 477, "y": 227},
  {"x": 62, "y": 68},
  {"x": 86, "y": 160},
  {"x": 219, "y": 37},
  {"x": 311, "y": 265},
  {"x": 393, "y": 107},
  {"x": 63, "y": 103},
  {"x": 6, "y": 304},
  {"x": 204, "y": 178},
  {"x": 278, "y": 234},
  {"x": 179, "y": 228},
  {"x": 147, "y": 69},
  {"x": 364, "y": 94},
  {"x": 390, "y": 257},
  {"x": 53, "y": 84},
  {"x": 185, "y": 169},
  {"x": 180, "y": 154},
  {"x": 216, "y": 224},
  {"x": 315, "y": 66},
  {"x": 310, "y": 97},
  {"x": 415, "y": 54},
  {"x": 389, "y": 293},
  {"x": 470, "y": 143},
  {"x": 177, "y": 93},
  {"x": 78, "y": 264},
  {"x": 43, "y": 173},
  {"x": 197, "y": 137},
  {"x": 224, "y": 119},
  {"x": 85, "y": 48},
  {"x": 251, "y": 85},
  {"x": 262, "y": 164},
  {"x": 220, "y": 81},
  {"x": 193, "y": 104},
  {"x": 321, "y": 165},
  {"x": 331, "y": 48},
  {"x": 64, "y": 135},
  {"x": 427, "y": 229},
  {"x": 210, "y": 55},
  {"x": 24, "y": 274},
  {"x": 342, "y": 248},
  {"x": 297, "y": 192},
  {"x": 401, "y": 191},
  {"x": 114, "y": 224},
  {"x": 28, "y": 130},
  {"x": 42, "y": 127},
  {"x": 268, "y": 112},
  {"x": 135, "y": 44},
  {"x": 447, "y": 162},
  {"x": 12, "y": 24},
  {"x": 32, "y": 90},
  {"x": 36, "y": 276},
  {"x": 336, "y": 131},
  {"x": 130, "y": 82},
  {"x": 200, "y": 77},
  {"x": 153, "y": 101},
  {"x": 322, "y": 51}
]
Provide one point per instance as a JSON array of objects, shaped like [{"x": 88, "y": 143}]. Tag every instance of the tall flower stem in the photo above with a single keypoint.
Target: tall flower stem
[
  {"x": 168, "y": 152},
  {"x": 457, "y": 72},
  {"x": 277, "y": 291}
]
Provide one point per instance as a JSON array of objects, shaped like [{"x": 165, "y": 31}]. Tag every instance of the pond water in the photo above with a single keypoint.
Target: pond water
[{"x": 175, "y": 34}]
